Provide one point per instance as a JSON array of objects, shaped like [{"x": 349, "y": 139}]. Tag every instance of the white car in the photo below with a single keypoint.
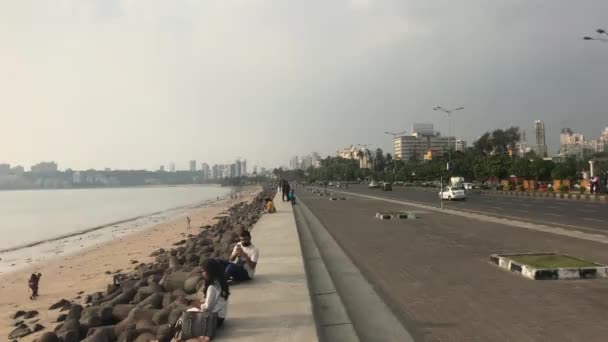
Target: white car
[
  {"x": 451, "y": 193},
  {"x": 468, "y": 186},
  {"x": 373, "y": 185}
]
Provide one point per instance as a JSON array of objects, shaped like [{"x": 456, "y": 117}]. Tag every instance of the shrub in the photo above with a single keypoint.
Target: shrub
[
  {"x": 564, "y": 188},
  {"x": 582, "y": 189}
]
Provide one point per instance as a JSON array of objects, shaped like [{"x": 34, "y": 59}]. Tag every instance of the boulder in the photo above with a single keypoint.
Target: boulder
[
  {"x": 174, "y": 262},
  {"x": 49, "y": 337},
  {"x": 20, "y": 331},
  {"x": 63, "y": 304},
  {"x": 101, "y": 334},
  {"x": 174, "y": 316},
  {"x": 70, "y": 325},
  {"x": 69, "y": 336},
  {"x": 145, "y": 337},
  {"x": 128, "y": 335},
  {"x": 18, "y": 314},
  {"x": 75, "y": 312},
  {"x": 162, "y": 316},
  {"x": 191, "y": 283},
  {"x": 164, "y": 333},
  {"x": 140, "y": 313},
  {"x": 174, "y": 281},
  {"x": 121, "y": 311},
  {"x": 88, "y": 322},
  {"x": 30, "y": 314},
  {"x": 37, "y": 327},
  {"x": 146, "y": 325},
  {"x": 61, "y": 317},
  {"x": 154, "y": 301},
  {"x": 124, "y": 298}
]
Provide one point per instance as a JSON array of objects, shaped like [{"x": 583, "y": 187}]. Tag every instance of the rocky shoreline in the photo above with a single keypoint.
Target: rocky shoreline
[{"x": 141, "y": 305}]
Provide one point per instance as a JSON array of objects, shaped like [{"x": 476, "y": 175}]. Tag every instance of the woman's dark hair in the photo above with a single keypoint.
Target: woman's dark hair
[
  {"x": 215, "y": 273},
  {"x": 267, "y": 199}
]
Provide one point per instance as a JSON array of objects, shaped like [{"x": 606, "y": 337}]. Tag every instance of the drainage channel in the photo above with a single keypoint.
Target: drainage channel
[{"x": 346, "y": 306}]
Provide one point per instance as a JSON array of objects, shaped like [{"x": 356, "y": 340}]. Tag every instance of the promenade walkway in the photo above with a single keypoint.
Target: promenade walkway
[{"x": 275, "y": 305}]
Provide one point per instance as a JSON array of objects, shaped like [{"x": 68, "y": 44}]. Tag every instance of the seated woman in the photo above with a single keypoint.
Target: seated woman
[
  {"x": 216, "y": 297},
  {"x": 269, "y": 208}
]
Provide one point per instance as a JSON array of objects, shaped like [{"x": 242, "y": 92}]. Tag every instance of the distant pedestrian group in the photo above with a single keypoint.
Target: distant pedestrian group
[{"x": 288, "y": 193}]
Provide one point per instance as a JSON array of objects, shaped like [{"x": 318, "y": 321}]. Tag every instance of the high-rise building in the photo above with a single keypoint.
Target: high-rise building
[
  {"x": 237, "y": 168},
  {"x": 192, "y": 165},
  {"x": 44, "y": 167},
  {"x": 206, "y": 171},
  {"x": 540, "y": 146},
  {"x": 461, "y": 145},
  {"x": 244, "y": 167},
  {"x": 231, "y": 171},
  {"x": 215, "y": 171},
  {"x": 422, "y": 139},
  {"x": 5, "y": 169},
  {"x": 162, "y": 168},
  {"x": 172, "y": 167},
  {"x": 293, "y": 163}
]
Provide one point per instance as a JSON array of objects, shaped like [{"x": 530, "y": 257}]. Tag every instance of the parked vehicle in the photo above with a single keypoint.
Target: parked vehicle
[
  {"x": 452, "y": 193},
  {"x": 399, "y": 183},
  {"x": 373, "y": 185},
  {"x": 387, "y": 187}
]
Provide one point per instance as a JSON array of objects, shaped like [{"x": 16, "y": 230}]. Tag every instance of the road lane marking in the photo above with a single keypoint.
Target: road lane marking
[
  {"x": 514, "y": 221},
  {"x": 526, "y": 205},
  {"x": 551, "y": 207},
  {"x": 553, "y": 214},
  {"x": 590, "y": 219},
  {"x": 586, "y": 210},
  {"x": 497, "y": 208},
  {"x": 523, "y": 211}
]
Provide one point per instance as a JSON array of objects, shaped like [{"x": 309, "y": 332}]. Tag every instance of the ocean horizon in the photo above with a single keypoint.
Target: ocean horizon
[{"x": 30, "y": 217}]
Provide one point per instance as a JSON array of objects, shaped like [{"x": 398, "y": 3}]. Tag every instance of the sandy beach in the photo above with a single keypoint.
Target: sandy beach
[{"x": 87, "y": 270}]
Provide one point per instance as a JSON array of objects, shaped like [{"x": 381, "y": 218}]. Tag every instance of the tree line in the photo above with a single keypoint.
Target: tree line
[{"x": 492, "y": 155}]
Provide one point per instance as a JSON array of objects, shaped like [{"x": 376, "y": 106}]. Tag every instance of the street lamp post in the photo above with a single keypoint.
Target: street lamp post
[
  {"x": 448, "y": 112},
  {"x": 600, "y": 32},
  {"x": 394, "y": 160}
]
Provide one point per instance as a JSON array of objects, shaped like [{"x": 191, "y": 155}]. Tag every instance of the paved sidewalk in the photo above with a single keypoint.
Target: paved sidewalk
[{"x": 275, "y": 305}]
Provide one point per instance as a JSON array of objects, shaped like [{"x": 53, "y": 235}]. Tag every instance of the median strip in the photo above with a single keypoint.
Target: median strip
[{"x": 550, "y": 266}]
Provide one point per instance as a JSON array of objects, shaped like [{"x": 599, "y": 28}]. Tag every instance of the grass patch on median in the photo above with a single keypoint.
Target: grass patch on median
[{"x": 551, "y": 260}]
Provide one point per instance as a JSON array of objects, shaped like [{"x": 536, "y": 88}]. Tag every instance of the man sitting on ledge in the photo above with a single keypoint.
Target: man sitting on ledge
[{"x": 243, "y": 260}]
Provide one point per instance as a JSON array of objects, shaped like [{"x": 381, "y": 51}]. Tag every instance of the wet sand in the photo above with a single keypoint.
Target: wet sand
[{"x": 65, "y": 276}]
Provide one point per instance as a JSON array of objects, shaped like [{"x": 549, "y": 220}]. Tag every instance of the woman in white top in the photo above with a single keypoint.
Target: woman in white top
[{"x": 216, "y": 295}]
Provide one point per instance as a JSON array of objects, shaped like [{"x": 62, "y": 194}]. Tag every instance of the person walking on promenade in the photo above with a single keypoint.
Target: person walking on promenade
[
  {"x": 286, "y": 189},
  {"x": 188, "y": 223},
  {"x": 243, "y": 260},
  {"x": 33, "y": 283}
]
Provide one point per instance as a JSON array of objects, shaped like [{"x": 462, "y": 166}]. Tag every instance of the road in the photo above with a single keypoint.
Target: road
[
  {"x": 592, "y": 216},
  {"x": 435, "y": 275}
]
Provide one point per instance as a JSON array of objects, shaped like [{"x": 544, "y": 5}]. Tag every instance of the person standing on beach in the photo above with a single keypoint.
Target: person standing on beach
[
  {"x": 188, "y": 221},
  {"x": 33, "y": 284}
]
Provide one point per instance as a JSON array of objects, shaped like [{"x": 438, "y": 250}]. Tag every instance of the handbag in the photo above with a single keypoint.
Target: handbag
[{"x": 197, "y": 323}]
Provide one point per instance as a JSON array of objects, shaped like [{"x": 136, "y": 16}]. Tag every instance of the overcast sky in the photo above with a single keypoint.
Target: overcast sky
[{"x": 140, "y": 83}]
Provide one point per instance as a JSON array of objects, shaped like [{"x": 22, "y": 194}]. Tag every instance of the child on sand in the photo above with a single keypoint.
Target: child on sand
[{"x": 33, "y": 284}]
